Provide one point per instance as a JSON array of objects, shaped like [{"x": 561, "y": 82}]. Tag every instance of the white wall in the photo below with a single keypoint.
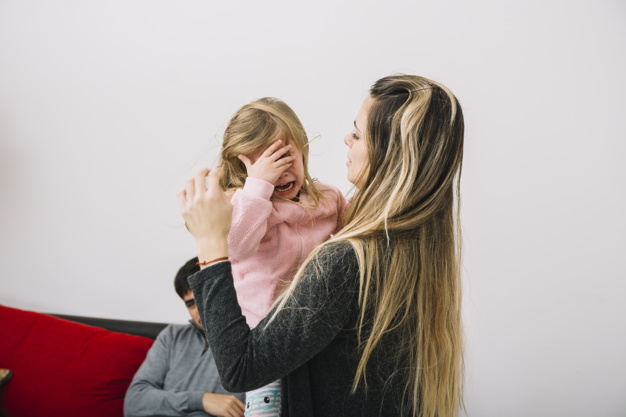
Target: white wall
[{"x": 107, "y": 106}]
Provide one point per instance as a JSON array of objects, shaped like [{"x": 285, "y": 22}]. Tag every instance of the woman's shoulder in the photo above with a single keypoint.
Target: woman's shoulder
[
  {"x": 337, "y": 255},
  {"x": 338, "y": 247},
  {"x": 333, "y": 269}
]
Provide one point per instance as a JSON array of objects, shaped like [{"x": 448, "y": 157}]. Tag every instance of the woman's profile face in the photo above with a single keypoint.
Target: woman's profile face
[{"x": 357, "y": 164}]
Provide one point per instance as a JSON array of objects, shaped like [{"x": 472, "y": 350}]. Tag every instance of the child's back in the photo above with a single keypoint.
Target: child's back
[{"x": 269, "y": 240}]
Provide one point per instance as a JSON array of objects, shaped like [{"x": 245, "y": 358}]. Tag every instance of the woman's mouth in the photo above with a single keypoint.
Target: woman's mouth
[{"x": 285, "y": 188}]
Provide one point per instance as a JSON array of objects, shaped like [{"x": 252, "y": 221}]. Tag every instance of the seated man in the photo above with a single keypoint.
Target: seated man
[{"x": 179, "y": 376}]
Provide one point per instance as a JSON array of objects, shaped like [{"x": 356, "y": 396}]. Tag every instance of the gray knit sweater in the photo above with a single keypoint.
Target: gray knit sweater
[
  {"x": 312, "y": 345},
  {"x": 174, "y": 376}
]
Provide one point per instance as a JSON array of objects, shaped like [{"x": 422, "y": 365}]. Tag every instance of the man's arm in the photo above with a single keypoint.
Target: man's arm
[{"x": 146, "y": 397}]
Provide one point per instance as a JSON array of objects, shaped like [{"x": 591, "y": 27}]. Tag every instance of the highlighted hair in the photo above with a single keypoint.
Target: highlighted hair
[{"x": 405, "y": 230}]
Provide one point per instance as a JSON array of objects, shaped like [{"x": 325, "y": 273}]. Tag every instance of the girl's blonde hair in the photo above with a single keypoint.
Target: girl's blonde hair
[
  {"x": 404, "y": 227},
  {"x": 256, "y": 126}
]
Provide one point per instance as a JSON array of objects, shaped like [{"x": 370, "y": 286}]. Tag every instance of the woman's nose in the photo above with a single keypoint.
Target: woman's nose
[{"x": 348, "y": 140}]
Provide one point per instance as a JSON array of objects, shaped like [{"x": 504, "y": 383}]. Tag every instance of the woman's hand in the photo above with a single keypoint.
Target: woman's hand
[
  {"x": 207, "y": 212},
  {"x": 270, "y": 164}
]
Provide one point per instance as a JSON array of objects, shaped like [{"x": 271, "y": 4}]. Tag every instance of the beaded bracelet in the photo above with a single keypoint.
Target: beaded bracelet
[{"x": 224, "y": 258}]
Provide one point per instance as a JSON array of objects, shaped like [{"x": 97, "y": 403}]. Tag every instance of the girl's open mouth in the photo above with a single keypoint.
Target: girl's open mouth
[{"x": 285, "y": 188}]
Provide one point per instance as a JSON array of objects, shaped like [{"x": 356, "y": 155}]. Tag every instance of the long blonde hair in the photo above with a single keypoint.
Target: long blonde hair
[
  {"x": 256, "y": 126},
  {"x": 404, "y": 228}
]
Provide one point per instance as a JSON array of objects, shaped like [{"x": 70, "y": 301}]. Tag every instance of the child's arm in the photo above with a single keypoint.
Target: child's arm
[
  {"x": 251, "y": 210},
  {"x": 251, "y": 205}
]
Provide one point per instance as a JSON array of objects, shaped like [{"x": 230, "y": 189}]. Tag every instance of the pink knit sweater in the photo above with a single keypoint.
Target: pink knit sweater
[{"x": 269, "y": 240}]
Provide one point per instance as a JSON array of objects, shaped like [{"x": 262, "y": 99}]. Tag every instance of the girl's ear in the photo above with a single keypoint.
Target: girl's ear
[{"x": 229, "y": 193}]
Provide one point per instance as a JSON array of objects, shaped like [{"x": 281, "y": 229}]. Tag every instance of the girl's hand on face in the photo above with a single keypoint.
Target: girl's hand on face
[
  {"x": 272, "y": 162},
  {"x": 207, "y": 212}
]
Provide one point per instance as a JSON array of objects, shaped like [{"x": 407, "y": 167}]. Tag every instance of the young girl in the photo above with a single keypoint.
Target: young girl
[{"x": 279, "y": 212}]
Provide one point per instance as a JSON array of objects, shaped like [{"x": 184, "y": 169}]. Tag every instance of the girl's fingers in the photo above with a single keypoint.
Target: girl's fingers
[
  {"x": 272, "y": 148},
  {"x": 281, "y": 152},
  {"x": 284, "y": 163}
]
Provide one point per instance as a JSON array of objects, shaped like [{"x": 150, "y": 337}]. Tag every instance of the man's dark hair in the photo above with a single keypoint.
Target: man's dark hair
[{"x": 180, "y": 282}]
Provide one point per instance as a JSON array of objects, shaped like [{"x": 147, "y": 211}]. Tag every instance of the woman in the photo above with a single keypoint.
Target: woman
[{"x": 370, "y": 326}]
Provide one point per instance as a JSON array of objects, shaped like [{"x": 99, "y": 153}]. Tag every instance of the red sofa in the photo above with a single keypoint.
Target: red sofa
[{"x": 64, "y": 368}]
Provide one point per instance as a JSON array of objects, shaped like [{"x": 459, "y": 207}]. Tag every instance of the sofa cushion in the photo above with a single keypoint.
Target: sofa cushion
[{"x": 63, "y": 368}]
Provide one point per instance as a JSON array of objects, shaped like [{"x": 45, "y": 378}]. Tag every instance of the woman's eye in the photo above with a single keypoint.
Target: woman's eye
[{"x": 355, "y": 136}]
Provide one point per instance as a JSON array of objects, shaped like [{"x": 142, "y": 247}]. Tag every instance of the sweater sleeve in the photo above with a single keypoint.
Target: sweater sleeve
[
  {"x": 319, "y": 309},
  {"x": 146, "y": 397},
  {"x": 251, "y": 209}
]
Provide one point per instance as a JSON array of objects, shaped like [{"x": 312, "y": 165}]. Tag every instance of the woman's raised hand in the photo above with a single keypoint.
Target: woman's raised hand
[
  {"x": 207, "y": 212},
  {"x": 270, "y": 164}
]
